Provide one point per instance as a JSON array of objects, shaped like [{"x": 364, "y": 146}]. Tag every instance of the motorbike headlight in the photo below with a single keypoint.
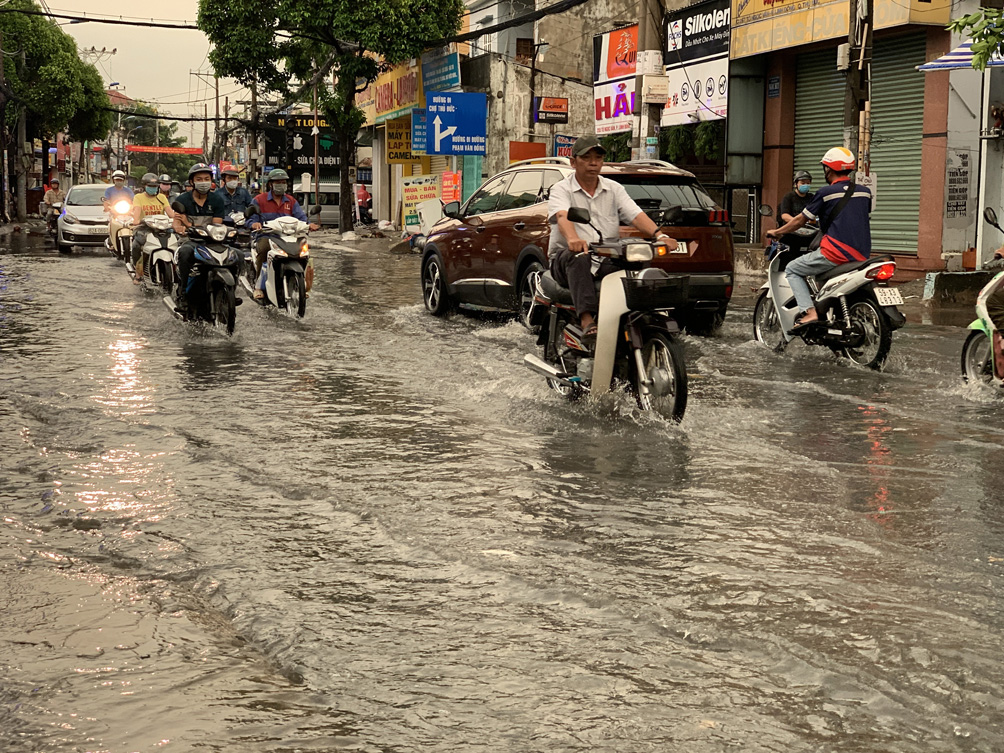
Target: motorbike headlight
[
  {"x": 638, "y": 252},
  {"x": 201, "y": 231},
  {"x": 217, "y": 232},
  {"x": 305, "y": 249},
  {"x": 123, "y": 207},
  {"x": 231, "y": 233}
]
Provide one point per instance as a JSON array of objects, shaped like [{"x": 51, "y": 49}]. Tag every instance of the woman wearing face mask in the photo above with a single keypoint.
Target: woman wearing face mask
[
  {"x": 235, "y": 197},
  {"x": 792, "y": 205},
  {"x": 147, "y": 202}
]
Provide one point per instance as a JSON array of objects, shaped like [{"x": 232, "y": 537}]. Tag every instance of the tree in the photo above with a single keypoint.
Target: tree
[
  {"x": 272, "y": 44},
  {"x": 986, "y": 29},
  {"x": 142, "y": 129}
]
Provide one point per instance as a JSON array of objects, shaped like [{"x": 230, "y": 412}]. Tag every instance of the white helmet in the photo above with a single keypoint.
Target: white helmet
[
  {"x": 839, "y": 159},
  {"x": 118, "y": 174}
]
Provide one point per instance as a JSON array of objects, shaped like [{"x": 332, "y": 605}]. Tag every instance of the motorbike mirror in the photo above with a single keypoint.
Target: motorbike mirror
[
  {"x": 250, "y": 209},
  {"x": 990, "y": 216},
  {"x": 765, "y": 210},
  {"x": 314, "y": 210},
  {"x": 177, "y": 206},
  {"x": 579, "y": 215},
  {"x": 452, "y": 210}
]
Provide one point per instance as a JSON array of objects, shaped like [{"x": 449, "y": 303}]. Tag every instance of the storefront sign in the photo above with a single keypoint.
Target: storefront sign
[
  {"x": 760, "y": 26},
  {"x": 442, "y": 72},
  {"x": 414, "y": 190},
  {"x": 296, "y": 122},
  {"x": 697, "y": 63},
  {"x": 399, "y": 142},
  {"x": 550, "y": 109},
  {"x": 563, "y": 145},
  {"x": 615, "y": 54},
  {"x": 615, "y": 106},
  {"x": 397, "y": 92},
  {"x": 419, "y": 129},
  {"x": 521, "y": 150},
  {"x": 773, "y": 87},
  {"x": 958, "y": 178},
  {"x": 451, "y": 187}
]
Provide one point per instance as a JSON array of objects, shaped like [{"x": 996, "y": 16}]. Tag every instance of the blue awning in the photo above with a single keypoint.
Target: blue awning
[{"x": 959, "y": 58}]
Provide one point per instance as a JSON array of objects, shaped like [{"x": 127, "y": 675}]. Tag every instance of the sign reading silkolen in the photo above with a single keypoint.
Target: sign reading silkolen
[
  {"x": 615, "y": 57},
  {"x": 697, "y": 63}
]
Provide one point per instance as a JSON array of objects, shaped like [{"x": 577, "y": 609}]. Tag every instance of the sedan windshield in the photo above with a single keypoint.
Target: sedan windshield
[
  {"x": 85, "y": 196},
  {"x": 654, "y": 194}
]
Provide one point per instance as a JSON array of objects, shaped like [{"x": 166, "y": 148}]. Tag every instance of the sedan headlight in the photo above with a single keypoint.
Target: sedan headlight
[
  {"x": 67, "y": 217},
  {"x": 638, "y": 252}
]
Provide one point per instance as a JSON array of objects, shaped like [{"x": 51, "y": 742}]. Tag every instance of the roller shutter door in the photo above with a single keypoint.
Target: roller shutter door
[{"x": 819, "y": 110}]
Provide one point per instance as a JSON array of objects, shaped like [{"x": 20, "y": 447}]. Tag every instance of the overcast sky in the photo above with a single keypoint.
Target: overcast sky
[{"x": 151, "y": 64}]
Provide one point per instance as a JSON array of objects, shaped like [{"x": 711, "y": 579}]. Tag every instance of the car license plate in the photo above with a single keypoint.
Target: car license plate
[
  {"x": 97, "y": 230},
  {"x": 888, "y": 297}
]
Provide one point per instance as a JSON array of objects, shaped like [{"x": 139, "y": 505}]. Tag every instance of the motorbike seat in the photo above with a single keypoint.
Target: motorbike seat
[
  {"x": 841, "y": 269},
  {"x": 555, "y": 292}
]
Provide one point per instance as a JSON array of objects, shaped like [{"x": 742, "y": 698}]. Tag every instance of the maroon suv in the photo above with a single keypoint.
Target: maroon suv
[{"x": 486, "y": 253}]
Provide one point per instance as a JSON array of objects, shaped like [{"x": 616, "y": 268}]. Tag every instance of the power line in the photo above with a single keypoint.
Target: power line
[{"x": 92, "y": 19}]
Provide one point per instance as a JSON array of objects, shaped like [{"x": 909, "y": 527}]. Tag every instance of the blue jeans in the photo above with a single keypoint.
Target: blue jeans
[{"x": 812, "y": 263}]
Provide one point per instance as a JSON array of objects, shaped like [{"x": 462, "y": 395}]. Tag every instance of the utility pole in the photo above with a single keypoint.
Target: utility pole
[
  {"x": 205, "y": 132},
  {"x": 317, "y": 152},
  {"x": 216, "y": 123},
  {"x": 226, "y": 136},
  {"x": 156, "y": 141},
  {"x": 857, "y": 97},
  {"x": 253, "y": 146},
  {"x": 3, "y": 119}
]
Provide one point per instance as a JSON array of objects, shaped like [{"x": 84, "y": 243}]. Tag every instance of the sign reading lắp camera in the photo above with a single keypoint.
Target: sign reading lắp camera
[
  {"x": 697, "y": 63},
  {"x": 399, "y": 141}
]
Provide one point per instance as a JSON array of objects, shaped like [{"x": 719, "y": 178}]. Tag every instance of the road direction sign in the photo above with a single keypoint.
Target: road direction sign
[{"x": 457, "y": 122}]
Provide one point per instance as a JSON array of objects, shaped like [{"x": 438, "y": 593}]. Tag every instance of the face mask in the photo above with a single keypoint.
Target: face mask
[
  {"x": 804, "y": 189},
  {"x": 232, "y": 184},
  {"x": 152, "y": 190},
  {"x": 119, "y": 182},
  {"x": 278, "y": 189},
  {"x": 203, "y": 186}
]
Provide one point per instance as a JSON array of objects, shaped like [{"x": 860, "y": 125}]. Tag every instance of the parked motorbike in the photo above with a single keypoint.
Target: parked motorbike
[
  {"x": 211, "y": 286},
  {"x": 121, "y": 243},
  {"x": 857, "y": 310},
  {"x": 983, "y": 351},
  {"x": 158, "y": 252},
  {"x": 52, "y": 226},
  {"x": 637, "y": 342},
  {"x": 286, "y": 263}
]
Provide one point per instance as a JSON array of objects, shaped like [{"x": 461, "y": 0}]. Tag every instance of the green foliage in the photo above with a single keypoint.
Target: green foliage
[
  {"x": 143, "y": 131},
  {"x": 676, "y": 142},
  {"x": 58, "y": 89},
  {"x": 708, "y": 137},
  {"x": 618, "y": 146},
  {"x": 279, "y": 43},
  {"x": 986, "y": 29}
]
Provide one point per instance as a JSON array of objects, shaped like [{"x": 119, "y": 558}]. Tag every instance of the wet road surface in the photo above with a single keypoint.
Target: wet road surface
[{"x": 377, "y": 531}]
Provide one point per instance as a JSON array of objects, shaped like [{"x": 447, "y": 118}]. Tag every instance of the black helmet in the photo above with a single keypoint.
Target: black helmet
[
  {"x": 200, "y": 167},
  {"x": 150, "y": 179},
  {"x": 801, "y": 175},
  {"x": 165, "y": 178}
]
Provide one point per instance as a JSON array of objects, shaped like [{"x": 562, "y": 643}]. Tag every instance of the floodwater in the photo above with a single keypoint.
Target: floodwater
[{"x": 377, "y": 531}]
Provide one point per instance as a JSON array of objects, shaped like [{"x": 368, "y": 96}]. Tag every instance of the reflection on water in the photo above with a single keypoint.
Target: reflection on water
[{"x": 375, "y": 530}]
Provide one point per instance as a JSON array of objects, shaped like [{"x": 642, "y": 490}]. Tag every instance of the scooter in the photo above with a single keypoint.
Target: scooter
[
  {"x": 158, "y": 252},
  {"x": 637, "y": 342},
  {"x": 983, "y": 351},
  {"x": 211, "y": 286},
  {"x": 285, "y": 266},
  {"x": 857, "y": 310},
  {"x": 121, "y": 243},
  {"x": 53, "y": 224}
]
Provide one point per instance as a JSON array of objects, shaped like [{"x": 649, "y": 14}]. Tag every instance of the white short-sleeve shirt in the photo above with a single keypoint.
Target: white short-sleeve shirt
[{"x": 610, "y": 207}]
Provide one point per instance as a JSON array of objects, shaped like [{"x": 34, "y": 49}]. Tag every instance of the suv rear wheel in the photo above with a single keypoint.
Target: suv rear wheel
[{"x": 705, "y": 323}]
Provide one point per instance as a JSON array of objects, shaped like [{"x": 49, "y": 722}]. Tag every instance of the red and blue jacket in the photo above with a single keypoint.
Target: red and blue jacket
[
  {"x": 849, "y": 236},
  {"x": 269, "y": 208}
]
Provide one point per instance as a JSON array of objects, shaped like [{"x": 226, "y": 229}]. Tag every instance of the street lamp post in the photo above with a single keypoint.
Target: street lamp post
[{"x": 537, "y": 48}]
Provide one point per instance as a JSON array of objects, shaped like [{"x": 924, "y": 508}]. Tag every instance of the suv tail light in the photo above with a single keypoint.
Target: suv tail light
[
  {"x": 881, "y": 273},
  {"x": 718, "y": 217}
]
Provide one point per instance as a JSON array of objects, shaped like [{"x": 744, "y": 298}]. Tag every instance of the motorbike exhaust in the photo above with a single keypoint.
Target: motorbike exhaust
[{"x": 542, "y": 367}]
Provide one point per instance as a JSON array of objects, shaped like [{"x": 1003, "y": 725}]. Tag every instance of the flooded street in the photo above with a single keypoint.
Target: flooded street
[{"x": 374, "y": 530}]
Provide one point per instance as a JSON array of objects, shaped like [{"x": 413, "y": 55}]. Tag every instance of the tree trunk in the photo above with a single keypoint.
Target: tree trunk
[{"x": 346, "y": 148}]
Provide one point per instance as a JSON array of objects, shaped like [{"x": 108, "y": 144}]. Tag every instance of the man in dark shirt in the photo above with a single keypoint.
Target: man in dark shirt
[
  {"x": 199, "y": 202},
  {"x": 792, "y": 205},
  {"x": 235, "y": 197}
]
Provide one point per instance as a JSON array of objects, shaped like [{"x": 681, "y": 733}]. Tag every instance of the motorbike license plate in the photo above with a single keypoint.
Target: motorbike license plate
[{"x": 888, "y": 297}]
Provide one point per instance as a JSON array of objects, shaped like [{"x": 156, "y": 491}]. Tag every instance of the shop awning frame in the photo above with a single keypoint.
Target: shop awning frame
[{"x": 959, "y": 58}]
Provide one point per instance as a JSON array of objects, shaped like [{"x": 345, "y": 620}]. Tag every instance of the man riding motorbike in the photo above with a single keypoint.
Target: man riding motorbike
[
  {"x": 150, "y": 201},
  {"x": 609, "y": 206},
  {"x": 116, "y": 192},
  {"x": 235, "y": 197},
  {"x": 842, "y": 209},
  {"x": 275, "y": 202},
  {"x": 53, "y": 196},
  {"x": 199, "y": 202}
]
